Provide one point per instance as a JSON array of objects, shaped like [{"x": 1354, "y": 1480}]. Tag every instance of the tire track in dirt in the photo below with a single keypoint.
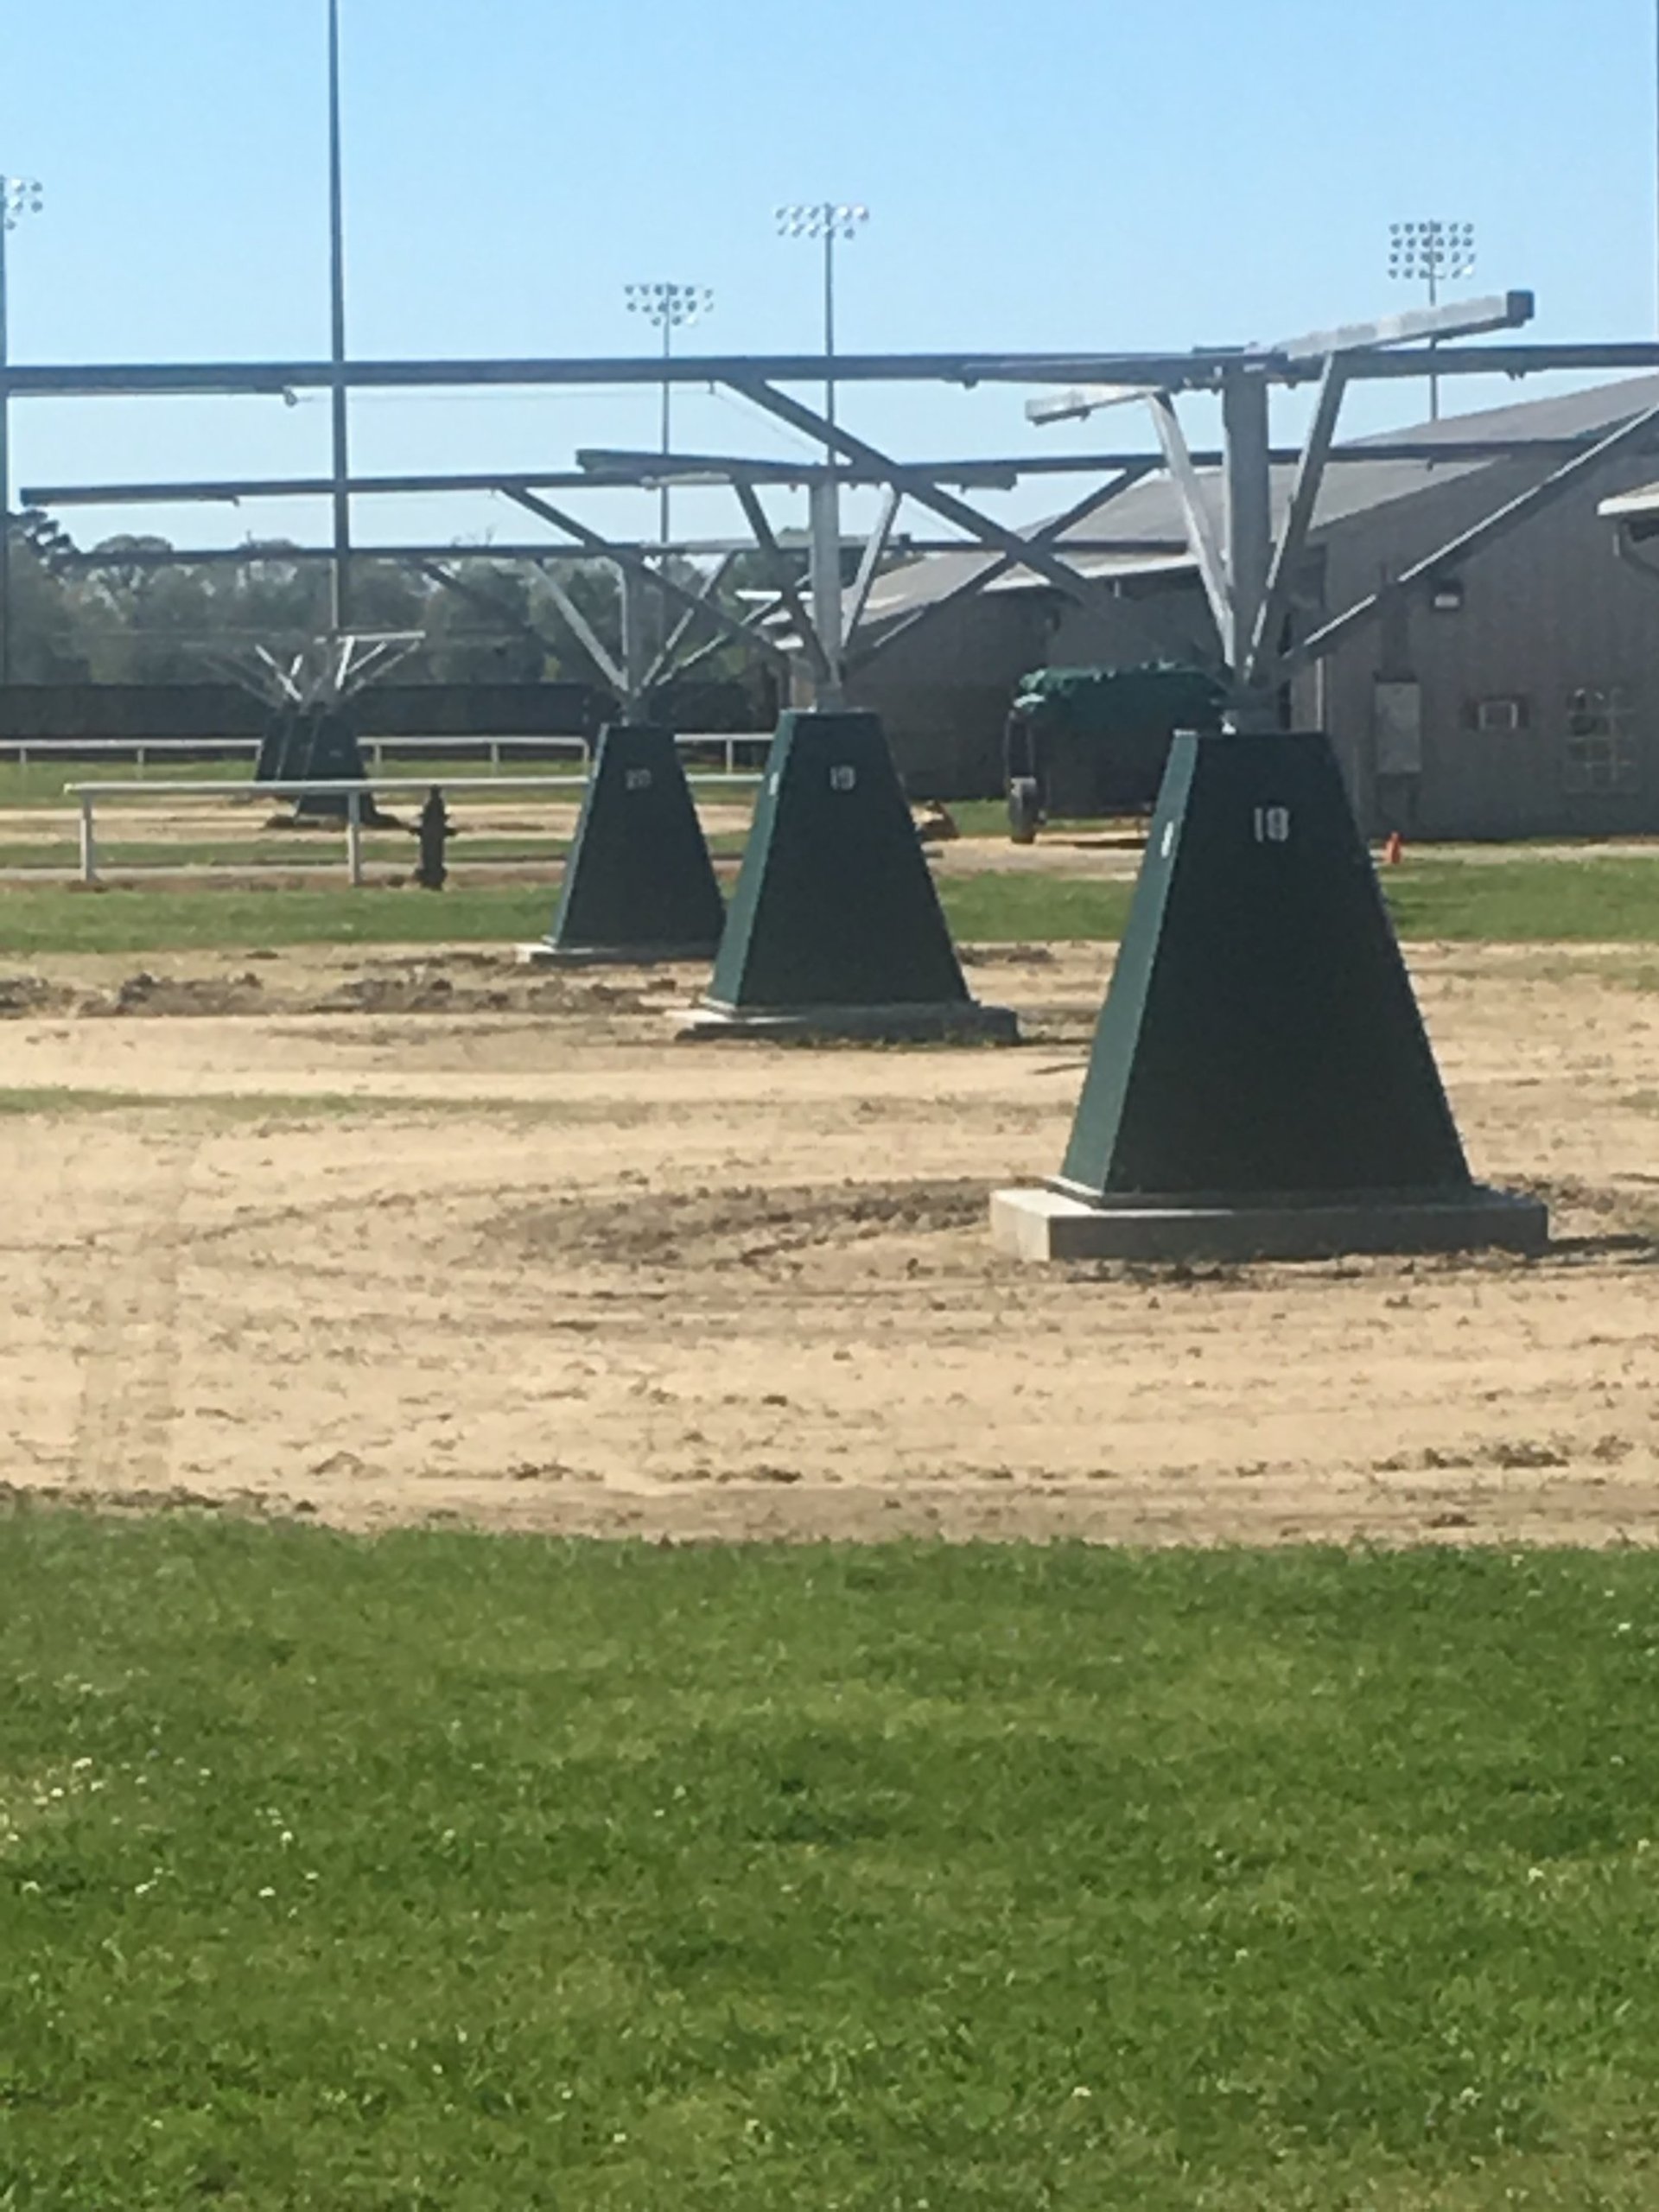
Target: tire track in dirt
[{"x": 123, "y": 1282}]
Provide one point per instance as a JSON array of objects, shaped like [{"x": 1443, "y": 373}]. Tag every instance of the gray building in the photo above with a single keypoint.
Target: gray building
[{"x": 1517, "y": 695}]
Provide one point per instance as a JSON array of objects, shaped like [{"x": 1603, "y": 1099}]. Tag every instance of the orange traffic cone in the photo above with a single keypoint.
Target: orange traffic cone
[{"x": 1394, "y": 850}]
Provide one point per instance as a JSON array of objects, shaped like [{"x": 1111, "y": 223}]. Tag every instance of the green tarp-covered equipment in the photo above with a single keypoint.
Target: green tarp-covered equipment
[
  {"x": 1094, "y": 741},
  {"x": 1260, "y": 1082},
  {"x": 638, "y": 883},
  {"x": 834, "y": 926}
]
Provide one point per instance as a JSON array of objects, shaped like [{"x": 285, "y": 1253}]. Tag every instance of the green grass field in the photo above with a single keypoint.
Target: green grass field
[
  {"x": 443, "y": 1874},
  {"x": 1519, "y": 900}
]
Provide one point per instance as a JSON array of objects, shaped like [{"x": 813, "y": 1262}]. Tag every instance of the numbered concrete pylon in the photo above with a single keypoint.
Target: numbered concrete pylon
[
  {"x": 1261, "y": 1084},
  {"x": 638, "y": 883},
  {"x": 835, "y": 929},
  {"x": 320, "y": 741}
]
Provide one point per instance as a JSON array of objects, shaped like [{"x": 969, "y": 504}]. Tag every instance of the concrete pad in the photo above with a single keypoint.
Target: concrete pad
[
  {"x": 544, "y": 954},
  {"x": 1048, "y": 1224},
  {"x": 967, "y": 1023}
]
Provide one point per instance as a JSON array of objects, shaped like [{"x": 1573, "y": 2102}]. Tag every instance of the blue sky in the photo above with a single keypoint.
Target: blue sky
[{"x": 1044, "y": 174}]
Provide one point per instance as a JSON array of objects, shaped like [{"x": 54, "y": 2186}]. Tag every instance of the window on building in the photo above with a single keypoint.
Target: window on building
[
  {"x": 1498, "y": 716},
  {"x": 1600, "y": 752}
]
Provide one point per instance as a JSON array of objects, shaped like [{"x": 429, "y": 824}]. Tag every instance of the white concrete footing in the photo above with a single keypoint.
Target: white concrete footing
[
  {"x": 1049, "y": 1224},
  {"x": 545, "y": 954},
  {"x": 964, "y": 1022}
]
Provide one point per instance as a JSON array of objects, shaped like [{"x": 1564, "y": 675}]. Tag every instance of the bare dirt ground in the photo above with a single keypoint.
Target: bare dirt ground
[{"x": 391, "y": 1238}]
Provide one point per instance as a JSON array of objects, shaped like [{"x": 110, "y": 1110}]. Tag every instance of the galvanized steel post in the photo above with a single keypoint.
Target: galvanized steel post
[
  {"x": 825, "y": 580},
  {"x": 1249, "y": 537}
]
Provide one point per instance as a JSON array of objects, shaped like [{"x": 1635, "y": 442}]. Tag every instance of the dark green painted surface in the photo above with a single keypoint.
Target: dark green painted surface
[
  {"x": 834, "y": 905},
  {"x": 274, "y": 743},
  {"x": 1259, "y": 1035},
  {"x": 302, "y": 742},
  {"x": 639, "y": 877}
]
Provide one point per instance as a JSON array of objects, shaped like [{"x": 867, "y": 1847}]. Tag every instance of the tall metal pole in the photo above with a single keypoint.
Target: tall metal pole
[
  {"x": 339, "y": 592},
  {"x": 5, "y": 452},
  {"x": 824, "y": 562},
  {"x": 825, "y": 221},
  {"x": 1248, "y": 482},
  {"x": 666, "y": 306},
  {"x": 18, "y": 197},
  {"x": 1425, "y": 252},
  {"x": 829, "y": 327},
  {"x": 668, "y": 447},
  {"x": 636, "y": 644}
]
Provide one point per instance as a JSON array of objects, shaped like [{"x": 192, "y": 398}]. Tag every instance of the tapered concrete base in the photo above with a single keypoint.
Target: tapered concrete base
[
  {"x": 963, "y": 1022},
  {"x": 1051, "y": 1224},
  {"x": 545, "y": 954}
]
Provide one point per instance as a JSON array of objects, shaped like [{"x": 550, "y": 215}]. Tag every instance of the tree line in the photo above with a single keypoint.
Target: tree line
[{"x": 116, "y": 615}]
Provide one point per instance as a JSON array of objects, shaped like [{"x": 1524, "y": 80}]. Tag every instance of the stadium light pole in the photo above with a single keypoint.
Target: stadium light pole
[
  {"x": 828, "y": 221},
  {"x": 340, "y": 594},
  {"x": 19, "y": 196},
  {"x": 668, "y": 308},
  {"x": 1432, "y": 253}
]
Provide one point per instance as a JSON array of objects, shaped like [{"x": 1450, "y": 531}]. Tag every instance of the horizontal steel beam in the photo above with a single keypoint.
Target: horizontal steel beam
[
  {"x": 1295, "y": 359},
  {"x": 1448, "y": 320},
  {"x": 1201, "y": 369},
  {"x": 553, "y": 550},
  {"x": 279, "y": 378},
  {"x": 1522, "y": 360},
  {"x": 229, "y": 491}
]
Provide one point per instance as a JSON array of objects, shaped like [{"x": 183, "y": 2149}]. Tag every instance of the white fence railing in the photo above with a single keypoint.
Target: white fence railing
[
  {"x": 88, "y": 796},
  {"x": 143, "y": 750}
]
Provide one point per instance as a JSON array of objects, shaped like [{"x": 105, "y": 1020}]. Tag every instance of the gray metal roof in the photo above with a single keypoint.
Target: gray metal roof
[{"x": 1151, "y": 509}]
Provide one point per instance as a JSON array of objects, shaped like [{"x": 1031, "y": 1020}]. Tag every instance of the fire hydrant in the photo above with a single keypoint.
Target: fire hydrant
[{"x": 433, "y": 835}]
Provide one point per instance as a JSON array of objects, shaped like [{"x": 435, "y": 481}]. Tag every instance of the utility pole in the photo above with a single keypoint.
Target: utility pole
[
  {"x": 340, "y": 573},
  {"x": 18, "y": 197}
]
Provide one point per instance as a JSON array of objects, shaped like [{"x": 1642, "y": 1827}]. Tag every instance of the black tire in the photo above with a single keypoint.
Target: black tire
[{"x": 1024, "y": 810}]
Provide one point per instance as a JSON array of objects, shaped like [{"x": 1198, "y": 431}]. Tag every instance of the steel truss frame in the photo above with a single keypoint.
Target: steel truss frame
[{"x": 1246, "y": 566}]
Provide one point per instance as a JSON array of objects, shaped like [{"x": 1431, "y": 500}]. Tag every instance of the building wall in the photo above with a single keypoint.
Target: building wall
[
  {"x": 1546, "y": 613},
  {"x": 944, "y": 698},
  {"x": 1165, "y": 617},
  {"x": 943, "y": 694}
]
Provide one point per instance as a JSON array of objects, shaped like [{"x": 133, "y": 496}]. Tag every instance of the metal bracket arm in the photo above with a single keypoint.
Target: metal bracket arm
[
  {"x": 1099, "y": 496},
  {"x": 1201, "y": 528},
  {"x": 1299, "y": 519},
  {"x": 919, "y": 487},
  {"x": 777, "y": 568},
  {"x": 1476, "y": 539},
  {"x": 634, "y": 563},
  {"x": 869, "y": 564},
  {"x": 663, "y": 664}
]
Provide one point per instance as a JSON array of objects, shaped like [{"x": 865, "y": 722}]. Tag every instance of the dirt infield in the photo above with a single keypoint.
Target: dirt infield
[{"x": 406, "y": 1239}]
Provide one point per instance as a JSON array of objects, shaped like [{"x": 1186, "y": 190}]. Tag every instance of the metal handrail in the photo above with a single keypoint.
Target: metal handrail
[
  {"x": 352, "y": 790},
  {"x": 23, "y": 749}
]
